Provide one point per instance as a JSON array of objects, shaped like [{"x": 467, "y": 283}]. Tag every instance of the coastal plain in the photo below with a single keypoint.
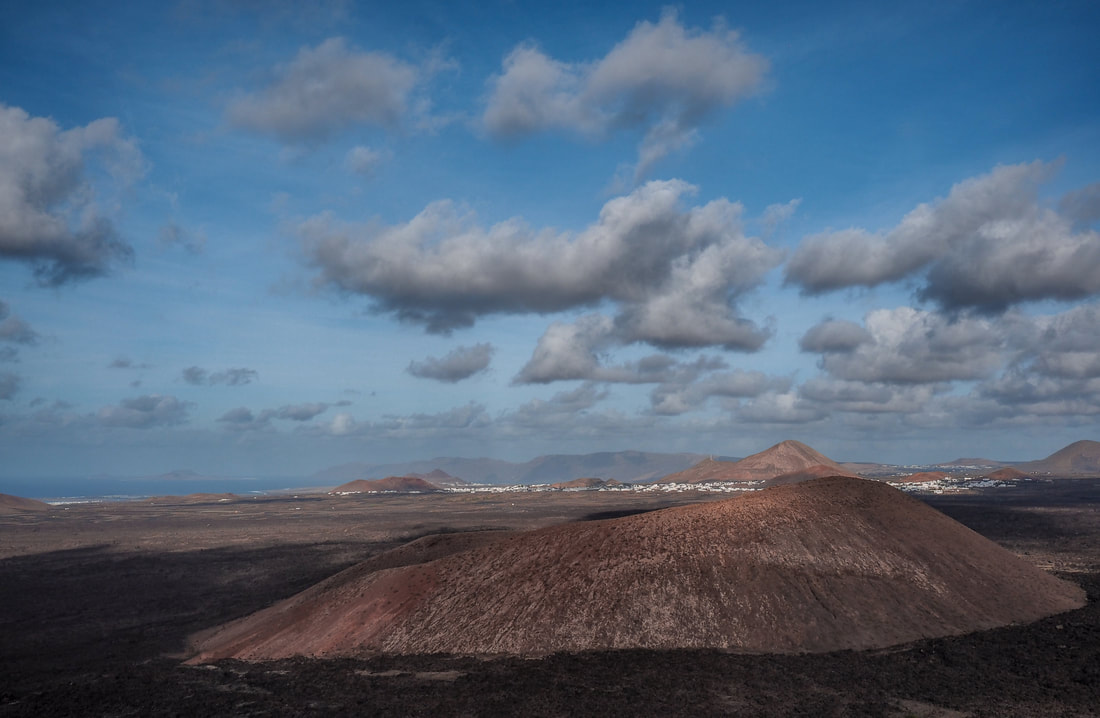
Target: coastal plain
[{"x": 101, "y": 598}]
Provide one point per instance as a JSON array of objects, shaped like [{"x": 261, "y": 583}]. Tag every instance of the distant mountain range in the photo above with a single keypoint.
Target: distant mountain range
[
  {"x": 179, "y": 475},
  {"x": 786, "y": 462},
  {"x": 625, "y": 466},
  {"x": 1081, "y": 458}
]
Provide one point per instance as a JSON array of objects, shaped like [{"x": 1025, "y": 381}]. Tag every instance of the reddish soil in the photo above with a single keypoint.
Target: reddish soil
[
  {"x": 398, "y": 484},
  {"x": 1006, "y": 474},
  {"x": 818, "y": 471},
  {"x": 705, "y": 470},
  {"x": 835, "y": 563},
  {"x": 96, "y": 599}
]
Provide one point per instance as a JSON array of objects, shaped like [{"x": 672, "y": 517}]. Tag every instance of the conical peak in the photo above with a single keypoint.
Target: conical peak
[{"x": 827, "y": 564}]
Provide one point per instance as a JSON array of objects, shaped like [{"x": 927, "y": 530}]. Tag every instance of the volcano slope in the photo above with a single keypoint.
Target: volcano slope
[
  {"x": 827, "y": 564},
  {"x": 786, "y": 457}
]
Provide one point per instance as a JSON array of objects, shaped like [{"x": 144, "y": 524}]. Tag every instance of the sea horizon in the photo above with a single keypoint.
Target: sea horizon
[{"x": 63, "y": 490}]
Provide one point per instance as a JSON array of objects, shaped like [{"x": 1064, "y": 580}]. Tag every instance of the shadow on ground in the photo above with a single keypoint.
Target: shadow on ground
[{"x": 87, "y": 632}]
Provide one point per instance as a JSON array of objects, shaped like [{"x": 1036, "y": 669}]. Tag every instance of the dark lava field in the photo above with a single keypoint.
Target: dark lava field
[{"x": 97, "y": 602}]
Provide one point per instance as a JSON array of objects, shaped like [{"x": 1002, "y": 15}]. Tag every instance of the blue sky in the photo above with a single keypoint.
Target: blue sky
[{"x": 251, "y": 238}]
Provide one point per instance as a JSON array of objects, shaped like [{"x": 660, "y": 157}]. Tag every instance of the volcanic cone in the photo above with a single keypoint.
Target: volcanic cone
[
  {"x": 786, "y": 457},
  {"x": 826, "y": 564}
]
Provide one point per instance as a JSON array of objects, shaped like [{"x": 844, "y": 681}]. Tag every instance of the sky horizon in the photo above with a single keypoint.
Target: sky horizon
[{"x": 262, "y": 239}]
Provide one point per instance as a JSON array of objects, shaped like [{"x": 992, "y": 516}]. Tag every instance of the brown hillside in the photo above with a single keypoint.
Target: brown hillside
[
  {"x": 423, "y": 550},
  {"x": 587, "y": 483},
  {"x": 817, "y": 471},
  {"x": 17, "y": 504},
  {"x": 784, "y": 458},
  {"x": 1081, "y": 458},
  {"x": 827, "y": 564},
  {"x": 399, "y": 484},
  {"x": 706, "y": 470}
]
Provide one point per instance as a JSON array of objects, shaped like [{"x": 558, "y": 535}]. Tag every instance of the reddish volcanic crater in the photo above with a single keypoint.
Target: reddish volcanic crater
[
  {"x": 827, "y": 564},
  {"x": 392, "y": 484},
  {"x": 1006, "y": 474},
  {"x": 785, "y": 458}
]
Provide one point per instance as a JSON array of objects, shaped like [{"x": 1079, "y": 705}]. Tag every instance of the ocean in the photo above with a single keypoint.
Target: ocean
[{"x": 71, "y": 490}]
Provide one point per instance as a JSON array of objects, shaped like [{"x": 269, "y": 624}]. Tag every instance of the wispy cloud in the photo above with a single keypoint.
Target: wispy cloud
[
  {"x": 123, "y": 362},
  {"x": 460, "y": 363},
  {"x": 230, "y": 377},
  {"x": 145, "y": 412},
  {"x": 15, "y": 330},
  {"x": 243, "y": 419},
  {"x": 9, "y": 385}
]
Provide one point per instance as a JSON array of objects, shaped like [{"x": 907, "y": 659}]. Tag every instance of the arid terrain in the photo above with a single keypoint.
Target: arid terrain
[{"x": 99, "y": 601}]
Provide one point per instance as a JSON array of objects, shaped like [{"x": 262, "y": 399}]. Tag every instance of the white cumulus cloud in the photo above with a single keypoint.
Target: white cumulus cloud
[
  {"x": 675, "y": 272},
  {"x": 51, "y": 214},
  {"x": 663, "y": 79},
  {"x": 988, "y": 245},
  {"x": 326, "y": 89}
]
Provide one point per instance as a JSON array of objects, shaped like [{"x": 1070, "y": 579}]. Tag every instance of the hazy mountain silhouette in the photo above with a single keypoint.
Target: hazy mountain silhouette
[{"x": 627, "y": 466}]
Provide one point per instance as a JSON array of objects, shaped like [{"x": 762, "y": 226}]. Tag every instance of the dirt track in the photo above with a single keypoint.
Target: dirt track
[{"x": 94, "y": 598}]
